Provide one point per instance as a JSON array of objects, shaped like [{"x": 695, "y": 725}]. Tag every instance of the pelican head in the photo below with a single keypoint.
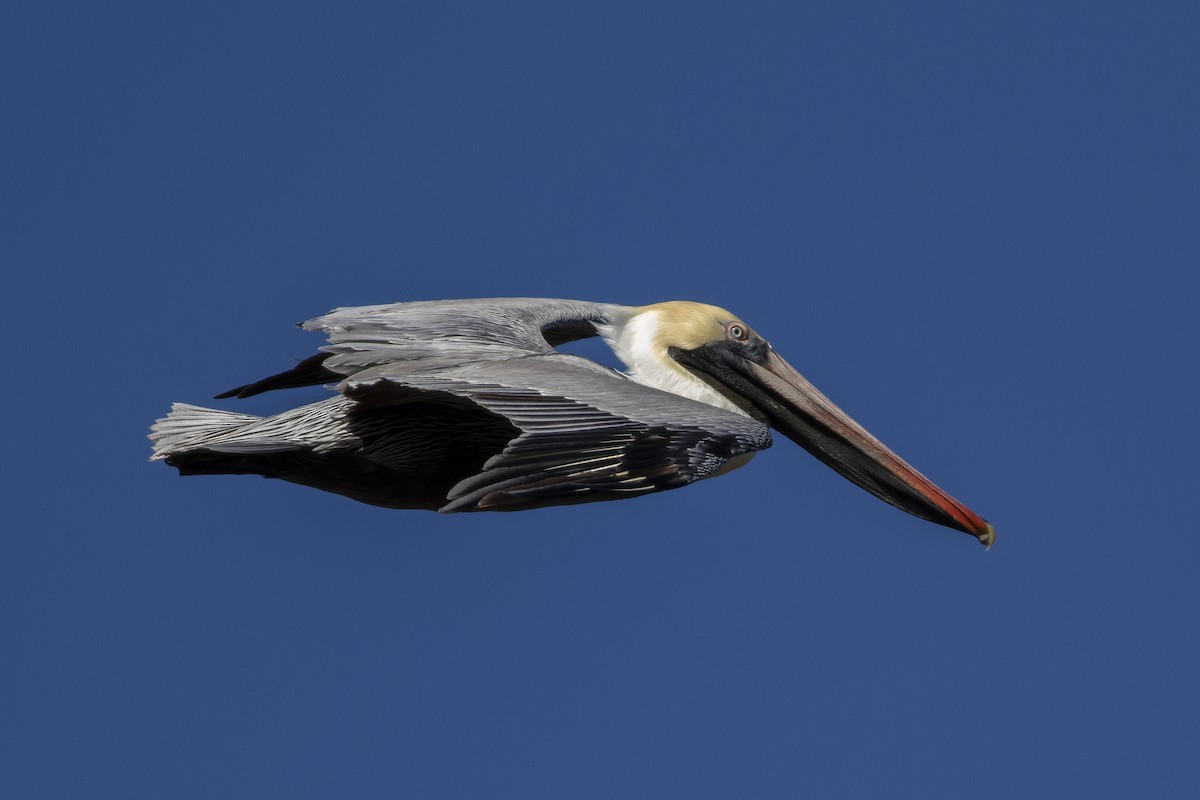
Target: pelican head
[{"x": 708, "y": 354}]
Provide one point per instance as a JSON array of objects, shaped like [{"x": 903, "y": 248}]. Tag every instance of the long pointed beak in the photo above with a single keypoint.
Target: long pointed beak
[{"x": 810, "y": 419}]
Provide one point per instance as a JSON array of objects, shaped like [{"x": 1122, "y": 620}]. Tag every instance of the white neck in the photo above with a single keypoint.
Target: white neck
[{"x": 634, "y": 337}]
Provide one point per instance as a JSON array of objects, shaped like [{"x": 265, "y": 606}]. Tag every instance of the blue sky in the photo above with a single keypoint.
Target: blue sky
[{"x": 974, "y": 228}]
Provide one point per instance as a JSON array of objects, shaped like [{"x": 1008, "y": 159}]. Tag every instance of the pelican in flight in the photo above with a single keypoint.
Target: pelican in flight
[{"x": 465, "y": 405}]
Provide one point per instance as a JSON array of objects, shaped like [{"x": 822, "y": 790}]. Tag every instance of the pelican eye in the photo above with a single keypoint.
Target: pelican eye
[{"x": 737, "y": 331}]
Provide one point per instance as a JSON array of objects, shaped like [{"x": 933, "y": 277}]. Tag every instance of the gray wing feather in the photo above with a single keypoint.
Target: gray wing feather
[
  {"x": 587, "y": 432},
  {"x": 427, "y": 336}
]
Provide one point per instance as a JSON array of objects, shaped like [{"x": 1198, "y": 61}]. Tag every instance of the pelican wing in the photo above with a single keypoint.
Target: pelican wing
[
  {"x": 425, "y": 336},
  {"x": 440, "y": 334},
  {"x": 586, "y": 433}
]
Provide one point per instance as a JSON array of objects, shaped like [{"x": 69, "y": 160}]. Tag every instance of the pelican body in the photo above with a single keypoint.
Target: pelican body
[{"x": 465, "y": 405}]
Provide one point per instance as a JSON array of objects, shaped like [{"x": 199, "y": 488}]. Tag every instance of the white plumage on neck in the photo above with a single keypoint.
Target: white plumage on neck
[{"x": 639, "y": 337}]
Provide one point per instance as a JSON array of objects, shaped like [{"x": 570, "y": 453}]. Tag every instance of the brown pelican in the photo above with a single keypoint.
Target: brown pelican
[{"x": 465, "y": 405}]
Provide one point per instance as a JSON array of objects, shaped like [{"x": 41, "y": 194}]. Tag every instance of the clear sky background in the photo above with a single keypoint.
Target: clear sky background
[{"x": 974, "y": 226}]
